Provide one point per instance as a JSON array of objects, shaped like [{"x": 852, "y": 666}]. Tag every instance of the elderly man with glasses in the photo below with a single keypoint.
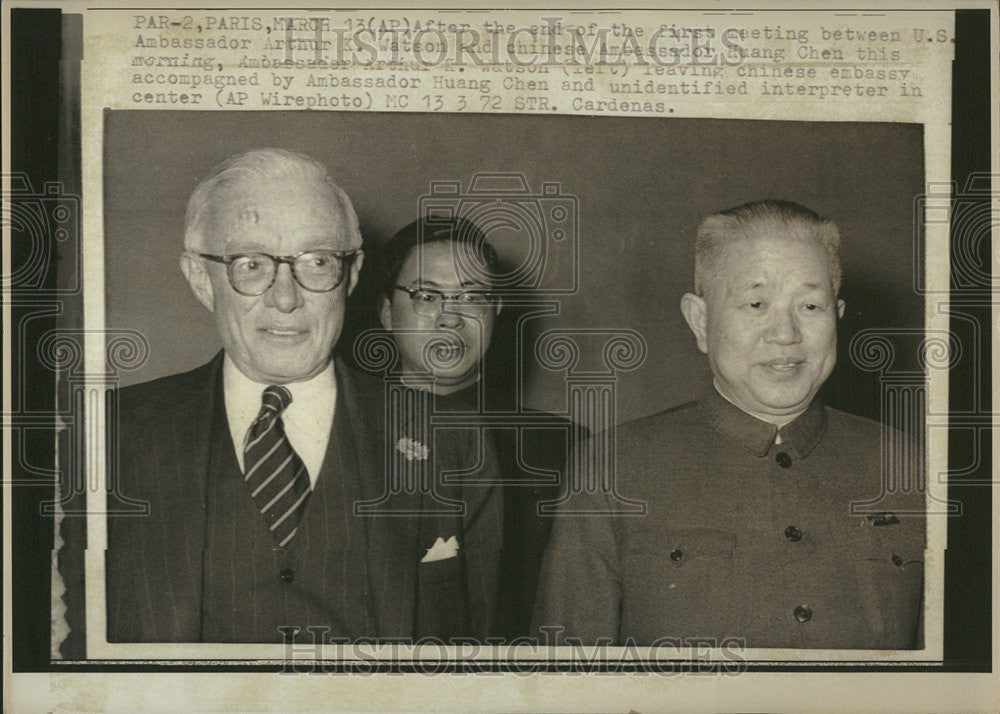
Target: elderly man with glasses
[{"x": 258, "y": 466}]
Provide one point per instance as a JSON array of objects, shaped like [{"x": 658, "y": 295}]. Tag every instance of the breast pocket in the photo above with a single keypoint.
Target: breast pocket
[
  {"x": 440, "y": 572},
  {"x": 442, "y": 601},
  {"x": 681, "y": 586},
  {"x": 889, "y": 565}
]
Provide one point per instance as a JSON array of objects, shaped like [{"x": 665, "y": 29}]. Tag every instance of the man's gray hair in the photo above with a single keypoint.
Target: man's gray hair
[
  {"x": 768, "y": 218},
  {"x": 260, "y": 165}
]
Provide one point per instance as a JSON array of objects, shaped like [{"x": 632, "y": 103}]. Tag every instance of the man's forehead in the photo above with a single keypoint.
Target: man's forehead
[
  {"x": 252, "y": 198},
  {"x": 448, "y": 262},
  {"x": 250, "y": 211},
  {"x": 759, "y": 250},
  {"x": 271, "y": 211},
  {"x": 758, "y": 262}
]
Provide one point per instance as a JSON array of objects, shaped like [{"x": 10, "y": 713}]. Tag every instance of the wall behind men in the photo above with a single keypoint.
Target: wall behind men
[{"x": 641, "y": 187}]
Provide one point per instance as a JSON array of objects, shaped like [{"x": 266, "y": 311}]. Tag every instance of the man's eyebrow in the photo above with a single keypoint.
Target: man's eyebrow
[{"x": 263, "y": 247}]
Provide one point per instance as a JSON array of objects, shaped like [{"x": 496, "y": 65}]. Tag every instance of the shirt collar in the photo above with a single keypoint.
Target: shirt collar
[
  {"x": 757, "y": 436},
  {"x": 314, "y": 396}
]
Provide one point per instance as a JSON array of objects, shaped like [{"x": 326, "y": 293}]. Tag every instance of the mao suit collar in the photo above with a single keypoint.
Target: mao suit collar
[{"x": 757, "y": 436}]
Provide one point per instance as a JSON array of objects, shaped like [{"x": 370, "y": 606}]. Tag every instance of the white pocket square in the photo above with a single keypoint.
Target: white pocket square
[{"x": 441, "y": 550}]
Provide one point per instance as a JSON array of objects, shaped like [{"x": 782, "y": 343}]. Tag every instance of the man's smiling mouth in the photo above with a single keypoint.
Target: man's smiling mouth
[
  {"x": 784, "y": 365},
  {"x": 282, "y": 332}
]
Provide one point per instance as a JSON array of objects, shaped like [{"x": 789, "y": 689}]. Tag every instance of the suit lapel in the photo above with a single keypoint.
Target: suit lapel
[
  {"x": 155, "y": 562},
  {"x": 388, "y": 515},
  {"x": 200, "y": 418}
]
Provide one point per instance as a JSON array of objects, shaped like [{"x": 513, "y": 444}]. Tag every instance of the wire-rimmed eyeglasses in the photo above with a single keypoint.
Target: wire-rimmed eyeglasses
[
  {"x": 430, "y": 302},
  {"x": 318, "y": 271}
]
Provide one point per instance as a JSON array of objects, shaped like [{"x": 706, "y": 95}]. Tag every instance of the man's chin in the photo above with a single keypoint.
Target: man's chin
[
  {"x": 783, "y": 404},
  {"x": 288, "y": 372},
  {"x": 455, "y": 378}
]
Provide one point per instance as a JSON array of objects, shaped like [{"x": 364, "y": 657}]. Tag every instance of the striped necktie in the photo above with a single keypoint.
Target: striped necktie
[{"x": 275, "y": 474}]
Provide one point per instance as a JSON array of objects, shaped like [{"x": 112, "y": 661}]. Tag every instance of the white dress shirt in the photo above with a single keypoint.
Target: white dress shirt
[{"x": 307, "y": 420}]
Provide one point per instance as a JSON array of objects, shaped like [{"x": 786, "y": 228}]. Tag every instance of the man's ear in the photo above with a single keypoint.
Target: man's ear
[
  {"x": 385, "y": 313},
  {"x": 352, "y": 279},
  {"x": 841, "y": 305},
  {"x": 695, "y": 311},
  {"x": 199, "y": 280}
]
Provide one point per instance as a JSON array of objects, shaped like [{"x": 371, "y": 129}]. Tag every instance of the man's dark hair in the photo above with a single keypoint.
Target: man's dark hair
[{"x": 472, "y": 252}]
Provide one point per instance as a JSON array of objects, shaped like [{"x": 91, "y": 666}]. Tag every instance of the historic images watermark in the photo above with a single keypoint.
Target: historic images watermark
[
  {"x": 314, "y": 651},
  {"x": 46, "y": 238},
  {"x": 554, "y": 41}
]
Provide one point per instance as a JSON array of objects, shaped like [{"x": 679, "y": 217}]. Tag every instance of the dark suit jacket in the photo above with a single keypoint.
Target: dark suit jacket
[
  {"x": 154, "y": 563},
  {"x": 527, "y": 457}
]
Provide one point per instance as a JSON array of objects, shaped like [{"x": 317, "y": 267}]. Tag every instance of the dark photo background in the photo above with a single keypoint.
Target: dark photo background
[{"x": 641, "y": 185}]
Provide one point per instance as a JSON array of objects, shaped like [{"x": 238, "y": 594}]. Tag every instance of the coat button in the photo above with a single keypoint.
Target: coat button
[
  {"x": 676, "y": 554},
  {"x": 803, "y": 613},
  {"x": 896, "y": 560},
  {"x": 287, "y": 575},
  {"x": 783, "y": 459},
  {"x": 793, "y": 534}
]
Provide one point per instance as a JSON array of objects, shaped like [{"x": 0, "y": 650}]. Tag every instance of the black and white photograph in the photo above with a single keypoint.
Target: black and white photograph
[
  {"x": 520, "y": 394},
  {"x": 610, "y": 316}
]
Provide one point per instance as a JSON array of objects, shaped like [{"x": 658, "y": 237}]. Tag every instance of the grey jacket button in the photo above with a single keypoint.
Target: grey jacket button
[{"x": 793, "y": 534}]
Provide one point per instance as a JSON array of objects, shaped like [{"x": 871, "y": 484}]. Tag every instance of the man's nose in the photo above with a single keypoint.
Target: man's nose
[
  {"x": 783, "y": 328},
  {"x": 449, "y": 317},
  {"x": 285, "y": 294}
]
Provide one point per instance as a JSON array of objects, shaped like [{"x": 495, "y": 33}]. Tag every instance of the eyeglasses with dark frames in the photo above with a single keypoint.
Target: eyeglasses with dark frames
[
  {"x": 429, "y": 302},
  {"x": 253, "y": 274}
]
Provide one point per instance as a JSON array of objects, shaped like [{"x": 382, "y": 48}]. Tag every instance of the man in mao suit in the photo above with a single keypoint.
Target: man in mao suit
[
  {"x": 750, "y": 537},
  {"x": 268, "y": 471}
]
